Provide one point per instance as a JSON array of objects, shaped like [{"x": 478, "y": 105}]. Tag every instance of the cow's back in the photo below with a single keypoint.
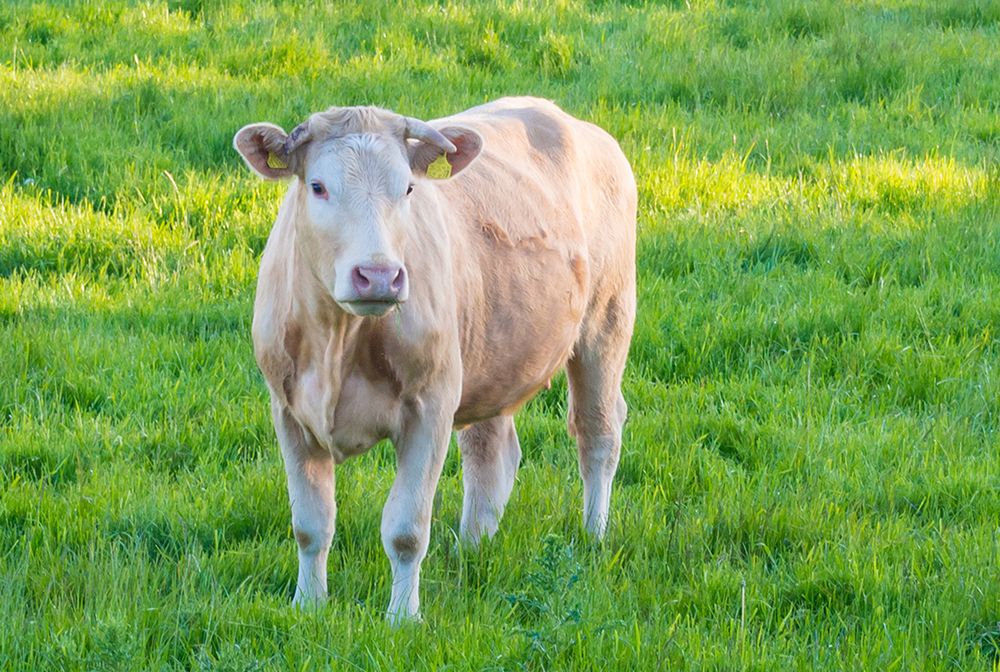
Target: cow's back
[{"x": 543, "y": 229}]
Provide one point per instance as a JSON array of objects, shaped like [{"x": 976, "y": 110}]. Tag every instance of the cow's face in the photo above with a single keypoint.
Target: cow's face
[
  {"x": 355, "y": 171},
  {"x": 352, "y": 225}
]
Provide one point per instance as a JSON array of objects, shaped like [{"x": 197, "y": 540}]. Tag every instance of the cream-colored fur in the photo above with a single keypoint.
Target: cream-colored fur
[{"x": 520, "y": 264}]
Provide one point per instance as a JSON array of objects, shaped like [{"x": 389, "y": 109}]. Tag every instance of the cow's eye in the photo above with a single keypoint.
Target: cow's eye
[
  {"x": 409, "y": 190},
  {"x": 318, "y": 189}
]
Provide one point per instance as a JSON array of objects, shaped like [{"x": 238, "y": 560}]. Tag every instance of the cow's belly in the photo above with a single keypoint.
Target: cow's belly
[{"x": 529, "y": 327}]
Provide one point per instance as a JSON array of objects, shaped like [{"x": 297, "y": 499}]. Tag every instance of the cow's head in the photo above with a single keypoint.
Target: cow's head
[{"x": 356, "y": 168}]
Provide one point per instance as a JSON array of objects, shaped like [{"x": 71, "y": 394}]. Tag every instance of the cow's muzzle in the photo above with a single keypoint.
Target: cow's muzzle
[{"x": 377, "y": 289}]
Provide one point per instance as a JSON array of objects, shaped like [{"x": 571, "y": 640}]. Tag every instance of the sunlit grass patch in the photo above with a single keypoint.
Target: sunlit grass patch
[
  {"x": 899, "y": 185},
  {"x": 893, "y": 184},
  {"x": 39, "y": 237},
  {"x": 683, "y": 181}
]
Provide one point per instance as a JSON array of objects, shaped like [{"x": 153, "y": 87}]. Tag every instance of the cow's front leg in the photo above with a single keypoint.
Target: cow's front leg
[
  {"x": 406, "y": 518},
  {"x": 309, "y": 469}
]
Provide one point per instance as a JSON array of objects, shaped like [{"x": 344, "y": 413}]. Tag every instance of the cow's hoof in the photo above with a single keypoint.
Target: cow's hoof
[
  {"x": 308, "y": 602},
  {"x": 400, "y": 619}
]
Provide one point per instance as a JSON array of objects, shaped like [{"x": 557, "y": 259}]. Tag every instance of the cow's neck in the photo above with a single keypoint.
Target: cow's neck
[{"x": 333, "y": 344}]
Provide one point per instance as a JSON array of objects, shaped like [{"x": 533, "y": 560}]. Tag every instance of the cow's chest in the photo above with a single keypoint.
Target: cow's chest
[{"x": 347, "y": 417}]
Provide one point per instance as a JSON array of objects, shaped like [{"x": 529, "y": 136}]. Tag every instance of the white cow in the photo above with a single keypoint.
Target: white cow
[{"x": 391, "y": 304}]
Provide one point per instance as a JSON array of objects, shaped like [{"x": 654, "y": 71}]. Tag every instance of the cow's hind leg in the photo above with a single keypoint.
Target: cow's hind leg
[
  {"x": 597, "y": 408},
  {"x": 491, "y": 455}
]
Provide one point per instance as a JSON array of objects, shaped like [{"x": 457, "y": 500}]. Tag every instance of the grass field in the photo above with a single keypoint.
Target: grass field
[{"x": 811, "y": 474}]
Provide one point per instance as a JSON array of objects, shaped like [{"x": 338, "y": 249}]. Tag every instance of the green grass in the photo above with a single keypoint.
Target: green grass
[{"x": 811, "y": 474}]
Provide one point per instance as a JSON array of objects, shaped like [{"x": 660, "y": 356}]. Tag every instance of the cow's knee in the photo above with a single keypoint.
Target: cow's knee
[
  {"x": 405, "y": 546},
  {"x": 404, "y": 543},
  {"x": 312, "y": 539}
]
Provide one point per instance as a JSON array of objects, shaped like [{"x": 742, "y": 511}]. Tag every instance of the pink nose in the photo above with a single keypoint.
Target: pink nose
[{"x": 378, "y": 283}]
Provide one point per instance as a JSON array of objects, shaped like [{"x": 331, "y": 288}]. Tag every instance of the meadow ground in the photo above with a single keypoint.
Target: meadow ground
[{"x": 811, "y": 471}]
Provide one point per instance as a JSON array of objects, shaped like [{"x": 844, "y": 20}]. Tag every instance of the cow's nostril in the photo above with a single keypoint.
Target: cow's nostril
[
  {"x": 358, "y": 278},
  {"x": 397, "y": 282}
]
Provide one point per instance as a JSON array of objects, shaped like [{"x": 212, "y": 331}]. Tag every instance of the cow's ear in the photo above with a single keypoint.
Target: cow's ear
[
  {"x": 467, "y": 143},
  {"x": 268, "y": 150}
]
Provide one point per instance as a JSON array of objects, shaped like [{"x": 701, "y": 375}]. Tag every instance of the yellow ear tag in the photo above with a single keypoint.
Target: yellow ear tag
[
  {"x": 274, "y": 162},
  {"x": 439, "y": 169}
]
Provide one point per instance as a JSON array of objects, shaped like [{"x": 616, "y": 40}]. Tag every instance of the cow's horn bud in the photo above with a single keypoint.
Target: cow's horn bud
[
  {"x": 421, "y": 130},
  {"x": 299, "y": 135}
]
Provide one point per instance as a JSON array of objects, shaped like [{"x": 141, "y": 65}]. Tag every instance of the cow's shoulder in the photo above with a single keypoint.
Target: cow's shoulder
[
  {"x": 521, "y": 192},
  {"x": 517, "y": 128},
  {"x": 276, "y": 340},
  {"x": 277, "y": 336}
]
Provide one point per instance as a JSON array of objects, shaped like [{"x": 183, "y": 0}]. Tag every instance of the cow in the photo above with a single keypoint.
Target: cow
[{"x": 424, "y": 277}]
